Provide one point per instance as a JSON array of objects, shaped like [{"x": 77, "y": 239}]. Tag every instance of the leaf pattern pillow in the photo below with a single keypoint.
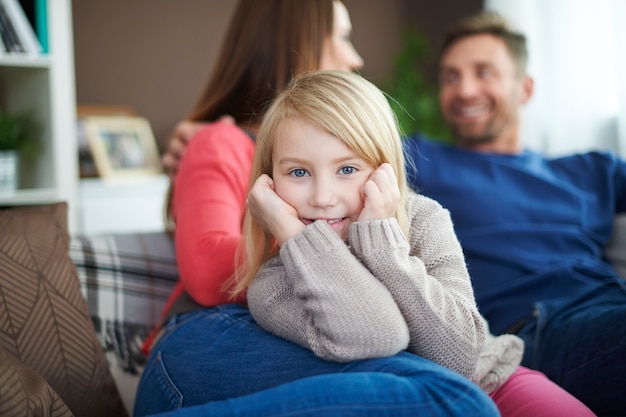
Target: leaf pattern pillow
[
  {"x": 24, "y": 393},
  {"x": 44, "y": 321}
]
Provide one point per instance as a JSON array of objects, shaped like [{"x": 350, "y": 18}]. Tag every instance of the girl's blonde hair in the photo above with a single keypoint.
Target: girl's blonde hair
[{"x": 345, "y": 105}]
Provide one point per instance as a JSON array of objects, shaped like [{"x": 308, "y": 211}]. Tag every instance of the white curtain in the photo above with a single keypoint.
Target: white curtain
[{"x": 577, "y": 56}]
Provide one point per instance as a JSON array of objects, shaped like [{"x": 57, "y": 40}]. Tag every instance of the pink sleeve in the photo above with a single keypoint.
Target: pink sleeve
[{"x": 209, "y": 204}]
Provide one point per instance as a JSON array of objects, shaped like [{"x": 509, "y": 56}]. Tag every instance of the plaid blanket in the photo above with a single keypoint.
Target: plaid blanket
[{"x": 126, "y": 279}]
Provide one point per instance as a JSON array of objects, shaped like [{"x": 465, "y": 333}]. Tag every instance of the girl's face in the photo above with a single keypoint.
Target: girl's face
[
  {"x": 338, "y": 51},
  {"x": 319, "y": 175}
]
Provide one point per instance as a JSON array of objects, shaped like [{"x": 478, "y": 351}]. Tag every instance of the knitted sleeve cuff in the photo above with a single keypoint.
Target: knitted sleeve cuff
[
  {"x": 317, "y": 239},
  {"x": 373, "y": 236}
]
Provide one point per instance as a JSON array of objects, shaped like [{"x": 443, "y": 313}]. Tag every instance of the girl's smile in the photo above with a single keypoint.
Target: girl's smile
[{"x": 335, "y": 224}]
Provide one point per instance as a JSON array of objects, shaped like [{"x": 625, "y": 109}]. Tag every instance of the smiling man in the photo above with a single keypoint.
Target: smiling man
[
  {"x": 533, "y": 229},
  {"x": 483, "y": 85}
]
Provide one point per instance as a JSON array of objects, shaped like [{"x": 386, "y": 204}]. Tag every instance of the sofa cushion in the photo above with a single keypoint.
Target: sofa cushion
[
  {"x": 616, "y": 249},
  {"x": 44, "y": 322}
]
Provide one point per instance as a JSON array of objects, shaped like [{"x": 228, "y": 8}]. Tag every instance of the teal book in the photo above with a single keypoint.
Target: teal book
[
  {"x": 37, "y": 13},
  {"x": 41, "y": 23}
]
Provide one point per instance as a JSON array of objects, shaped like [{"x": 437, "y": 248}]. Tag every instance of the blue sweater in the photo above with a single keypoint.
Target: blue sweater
[{"x": 532, "y": 228}]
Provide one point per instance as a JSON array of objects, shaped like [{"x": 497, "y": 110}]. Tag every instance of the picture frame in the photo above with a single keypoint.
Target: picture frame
[
  {"x": 122, "y": 146},
  {"x": 86, "y": 164}
]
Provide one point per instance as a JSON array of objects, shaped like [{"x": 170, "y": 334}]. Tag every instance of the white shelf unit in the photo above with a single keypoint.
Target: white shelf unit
[
  {"x": 45, "y": 83},
  {"x": 122, "y": 206}
]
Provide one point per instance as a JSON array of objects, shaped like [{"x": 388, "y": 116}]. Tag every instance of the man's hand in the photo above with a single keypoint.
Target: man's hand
[
  {"x": 177, "y": 143},
  {"x": 381, "y": 194},
  {"x": 271, "y": 212}
]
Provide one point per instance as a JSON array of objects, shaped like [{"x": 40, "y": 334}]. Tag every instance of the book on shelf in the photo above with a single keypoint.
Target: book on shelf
[
  {"x": 10, "y": 40},
  {"x": 41, "y": 25},
  {"x": 22, "y": 27},
  {"x": 37, "y": 14}
]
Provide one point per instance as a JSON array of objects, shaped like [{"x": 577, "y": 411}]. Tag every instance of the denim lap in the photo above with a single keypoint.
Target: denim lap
[
  {"x": 188, "y": 367},
  {"x": 579, "y": 341}
]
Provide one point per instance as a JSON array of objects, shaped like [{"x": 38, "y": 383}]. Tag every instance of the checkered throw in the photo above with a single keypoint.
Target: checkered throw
[{"x": 126, "y": 280}]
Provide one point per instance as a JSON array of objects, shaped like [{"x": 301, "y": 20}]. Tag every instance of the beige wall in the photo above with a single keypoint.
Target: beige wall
[{"x": 155, "y": 55}]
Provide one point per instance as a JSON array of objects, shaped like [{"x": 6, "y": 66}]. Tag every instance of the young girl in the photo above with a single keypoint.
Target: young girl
[
  {"x": 341, "y": 258},
  {"x": 330, "y": 171}
]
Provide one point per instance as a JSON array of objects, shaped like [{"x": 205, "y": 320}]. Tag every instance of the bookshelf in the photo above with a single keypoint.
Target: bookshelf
[{"x": 45, "y": 83}]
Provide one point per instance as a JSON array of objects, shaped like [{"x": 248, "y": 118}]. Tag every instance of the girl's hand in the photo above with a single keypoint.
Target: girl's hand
[
  {"x": 381, "y": 194},
  {"x": 271, "y": 212}
]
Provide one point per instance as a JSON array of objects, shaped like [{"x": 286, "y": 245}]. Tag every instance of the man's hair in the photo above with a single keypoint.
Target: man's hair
[{"x": 491, "y": 23}]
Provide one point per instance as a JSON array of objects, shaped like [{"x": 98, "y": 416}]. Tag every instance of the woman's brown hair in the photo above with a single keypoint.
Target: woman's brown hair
[{"x": 266, "y": 44}]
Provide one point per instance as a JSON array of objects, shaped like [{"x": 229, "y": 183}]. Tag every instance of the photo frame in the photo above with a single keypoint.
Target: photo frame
[{"x": 122, "y": 146}]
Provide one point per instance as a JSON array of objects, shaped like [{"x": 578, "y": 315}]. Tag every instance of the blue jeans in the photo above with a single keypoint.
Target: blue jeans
[
  {"x": 581, "y": 345},
  {"x": 219, "y": 362}
]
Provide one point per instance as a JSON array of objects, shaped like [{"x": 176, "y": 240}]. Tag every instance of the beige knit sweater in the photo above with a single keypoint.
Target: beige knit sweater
[{"x": 382, "y": 294}]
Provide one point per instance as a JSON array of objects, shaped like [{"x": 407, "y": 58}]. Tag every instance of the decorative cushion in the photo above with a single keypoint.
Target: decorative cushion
[
  {"x": 44, "y": 321},
  {"x": 616, "y": 249},
  {"x": 23, "y": 392},
  {"x": 126, "y": 279}
]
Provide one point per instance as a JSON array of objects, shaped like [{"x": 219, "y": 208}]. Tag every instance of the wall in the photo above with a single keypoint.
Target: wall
[
  {"x": 155, "y": 55},
  {"x": 432, "y": 19}
]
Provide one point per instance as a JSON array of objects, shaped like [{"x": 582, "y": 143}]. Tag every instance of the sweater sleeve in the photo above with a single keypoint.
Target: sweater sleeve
[
  {"x": 498, "y": 360},
  {"x": 429, "y": 281},
  {"x": 209, "y": 204},
  {"x": 318, "y": 295}
]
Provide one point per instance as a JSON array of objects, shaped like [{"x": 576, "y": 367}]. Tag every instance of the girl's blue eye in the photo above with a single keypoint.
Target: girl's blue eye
[
  {"x": 347, "y": 170},
  {"x": 299, "y": 173}
]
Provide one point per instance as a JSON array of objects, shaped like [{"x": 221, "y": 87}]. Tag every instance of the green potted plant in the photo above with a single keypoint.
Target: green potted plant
[
  {"x": 19, "y": 140},
  {"x": 412, "y": 97}
]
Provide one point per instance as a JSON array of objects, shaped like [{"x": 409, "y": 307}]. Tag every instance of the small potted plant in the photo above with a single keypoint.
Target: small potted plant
[{"x": 19, "y": 137}]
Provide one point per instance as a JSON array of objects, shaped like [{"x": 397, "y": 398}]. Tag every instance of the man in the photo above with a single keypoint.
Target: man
[{"x": 532, "y": 228}]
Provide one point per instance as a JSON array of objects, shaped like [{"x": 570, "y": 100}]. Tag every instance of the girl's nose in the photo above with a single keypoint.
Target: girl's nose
[{"x": 323, "y": 194}]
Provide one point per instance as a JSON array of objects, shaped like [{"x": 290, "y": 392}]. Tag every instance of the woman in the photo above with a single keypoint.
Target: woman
[{"x": 210, "y": 358}]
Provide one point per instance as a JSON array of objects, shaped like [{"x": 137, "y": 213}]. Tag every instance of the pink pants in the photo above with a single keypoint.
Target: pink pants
[{"x": 530, "y": 393}]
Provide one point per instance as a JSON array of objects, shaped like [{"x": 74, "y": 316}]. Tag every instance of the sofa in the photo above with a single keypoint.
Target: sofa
[{"x": 74, "y": 311}]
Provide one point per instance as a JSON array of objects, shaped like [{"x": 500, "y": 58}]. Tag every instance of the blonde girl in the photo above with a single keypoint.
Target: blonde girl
[
  {"x": 344, "y": 260},
  {"x": 400, "y": 282}
]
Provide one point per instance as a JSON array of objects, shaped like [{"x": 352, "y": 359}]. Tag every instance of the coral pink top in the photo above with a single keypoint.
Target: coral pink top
[{"x": 209, "y": 205}]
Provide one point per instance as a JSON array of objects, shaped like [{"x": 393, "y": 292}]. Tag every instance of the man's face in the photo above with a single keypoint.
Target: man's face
[{"x": 480, "y": 91}]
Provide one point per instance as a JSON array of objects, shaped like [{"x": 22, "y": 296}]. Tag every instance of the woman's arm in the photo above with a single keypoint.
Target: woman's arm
[
  {"x": 209, "y": 204},
  {"x": 317, "y": 294},
  {"x": 428, "y": 280}
]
